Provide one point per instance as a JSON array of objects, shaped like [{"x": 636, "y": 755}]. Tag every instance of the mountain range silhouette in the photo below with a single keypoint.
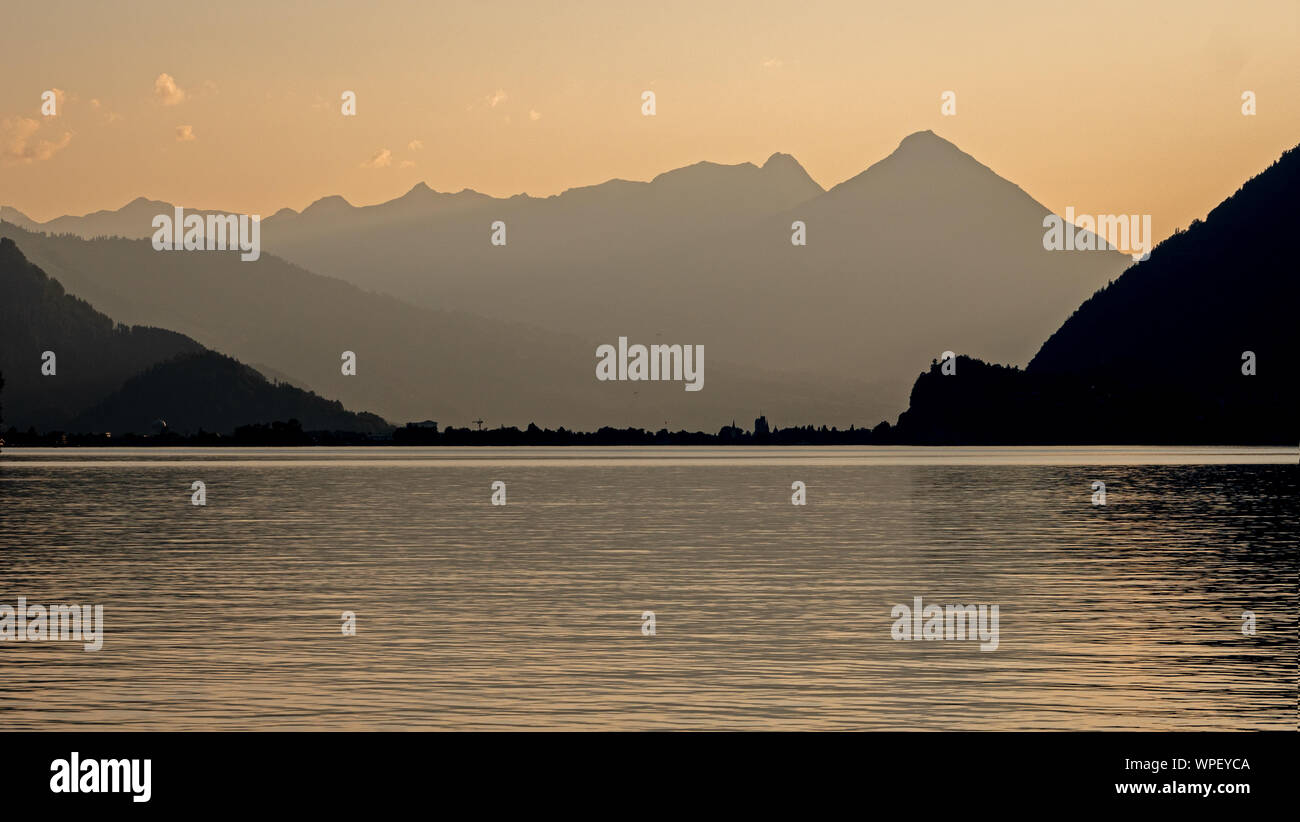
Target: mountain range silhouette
[{"x": 925, "y": 251}]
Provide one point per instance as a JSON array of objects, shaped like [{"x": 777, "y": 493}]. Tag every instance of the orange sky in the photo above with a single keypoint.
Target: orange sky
[{"x": 1110, "y": 107}]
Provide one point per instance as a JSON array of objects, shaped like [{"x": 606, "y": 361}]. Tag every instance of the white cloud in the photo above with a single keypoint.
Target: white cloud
[
  {"x": 184, "y": 134},
  {"x": 167, "y": 91},
  {"x": 18, "y": 143},
  {"x": 382, "y": 159}
]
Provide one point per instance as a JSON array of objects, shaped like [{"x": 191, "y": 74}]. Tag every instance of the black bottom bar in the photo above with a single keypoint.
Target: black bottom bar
[{"x": 638, "y": 772}]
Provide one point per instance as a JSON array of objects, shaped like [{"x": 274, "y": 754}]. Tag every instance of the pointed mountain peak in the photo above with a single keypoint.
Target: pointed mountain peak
[
  {"x": 419, "y": 194},
  {"x": 926, "y": 144},
  {"x": 780, "y": 160},
  {"x": 923, "y": 136},
  {"x": 138, "y": 204},
  {"x": 334, "y": 203},
  {"x": 922, "y": 157},
  {"x": 788, "y": 167}
]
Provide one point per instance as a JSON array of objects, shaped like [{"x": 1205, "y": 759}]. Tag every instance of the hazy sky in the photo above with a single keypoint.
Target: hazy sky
[{"x": 1109, "y": 107}]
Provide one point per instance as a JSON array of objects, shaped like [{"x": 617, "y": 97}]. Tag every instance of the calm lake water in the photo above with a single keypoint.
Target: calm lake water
[{"x": 767, "y": 615}]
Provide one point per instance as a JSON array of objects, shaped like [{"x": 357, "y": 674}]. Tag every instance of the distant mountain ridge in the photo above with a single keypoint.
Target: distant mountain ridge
[
  {"x": 108, "y": 377},
  {"x": 133, "y": 220},
  {"x": 413, "y": 363}
]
